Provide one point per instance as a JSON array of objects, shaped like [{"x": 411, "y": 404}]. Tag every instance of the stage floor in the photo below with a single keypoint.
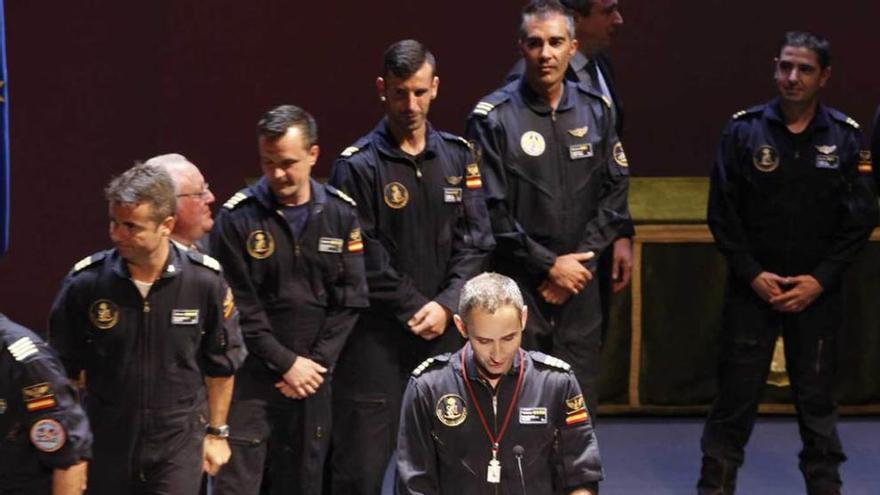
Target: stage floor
[{"x": 661, "y": 456}]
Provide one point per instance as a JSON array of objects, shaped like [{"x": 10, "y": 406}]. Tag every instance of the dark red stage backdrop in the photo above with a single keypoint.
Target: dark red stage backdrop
[{"x": 95, "y": 85}]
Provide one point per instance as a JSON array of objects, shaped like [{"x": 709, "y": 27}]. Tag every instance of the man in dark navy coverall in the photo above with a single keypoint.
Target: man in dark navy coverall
[
  {"x": 153, "y": 330},
  {"x": 426, "y": 231},
  {"x": 791, "y": 203},
  {"x": 596, "y": 23},
  {"x": 556, "y": 180},
  {"x": 492, "y": 418},
  {"x": 292, "y": 251},
  {"x": 45, "y": 440}
]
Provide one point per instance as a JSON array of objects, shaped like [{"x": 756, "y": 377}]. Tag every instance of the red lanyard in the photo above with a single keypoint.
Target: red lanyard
[{"x": 495, "y": 441}]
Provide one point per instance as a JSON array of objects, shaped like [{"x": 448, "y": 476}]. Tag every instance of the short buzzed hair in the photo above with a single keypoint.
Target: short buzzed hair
[
  {"x": 811, "y": 41},
  {"x": 542, "y": 9},
  {"x": 405, "y": 58},
  {"x": 489, "y": 292},
  {"x": 147, "y": 184}
]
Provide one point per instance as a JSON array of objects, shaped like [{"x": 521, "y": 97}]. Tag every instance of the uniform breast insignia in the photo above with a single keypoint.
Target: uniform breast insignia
[
  {"x": 104, "y": 314},
  {"x": 22, "y": 349},
  {"x": 453, "y": 180},
  {"x": 347, "y": 152},
  {"x": 473, "y": 180},
  {"x": 236, "y": 198},
  {"x": 184, "y": 316},
  {"x": 576, "y": 410},
  {"x": 452, "y": 195},
  {"x": 355, "y": 241},
  {"x": 579, "y": 151},
  {"x": 48, "y": 435},
  {"x": 38, "y": 397},
  {"x": 766, "y": 159},
  {"x": 533, "y": 415},
  {"x": 620, "y": 155},
  {"x": 451, "y": 410},
  {"x": 825, "y": 157},
  {"x": 866, "y": 165},
  {"x": 330, "y": 245},
  {"x": 579, "y": 132},
  {"x": 396, "y": 195},
  {"x": 260, "y": 245},
  {"x": 228, "y": 304},
  {"x": 532, "y": 143}
]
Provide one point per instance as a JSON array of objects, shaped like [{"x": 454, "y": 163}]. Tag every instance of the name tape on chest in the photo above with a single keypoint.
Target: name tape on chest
[
  {"x": 330, "y": 245},
  {"x": 184, "y": 316},
  {"x": 533, "y": 415}
]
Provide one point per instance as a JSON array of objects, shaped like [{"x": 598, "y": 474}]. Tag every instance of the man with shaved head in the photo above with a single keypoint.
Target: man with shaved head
[{"x": 194, "y": 200}]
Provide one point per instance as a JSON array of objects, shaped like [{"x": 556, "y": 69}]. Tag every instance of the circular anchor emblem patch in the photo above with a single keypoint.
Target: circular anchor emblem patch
[
  {"x": 260, "y": 244},
  {"x": 766, "y": 159},
  {"x": 104, "y": 314},
  {"x": 451, "y": 410},
  {"x": 396, "y": 195}
]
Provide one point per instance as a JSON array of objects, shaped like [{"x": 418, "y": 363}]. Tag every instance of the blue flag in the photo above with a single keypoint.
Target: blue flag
[{"x": 4, "y": 139}]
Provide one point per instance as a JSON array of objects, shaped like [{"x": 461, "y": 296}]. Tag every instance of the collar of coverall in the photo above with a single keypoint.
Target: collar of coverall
[
  {"x": 266, "y": 198},
  {"x": 773, "y": 111},
  {"x": 539, "y": 105},
  {"x": 472, "y": 372},
  {"x": 171, "y": 269},
  {"x": 388, "y": 145}
]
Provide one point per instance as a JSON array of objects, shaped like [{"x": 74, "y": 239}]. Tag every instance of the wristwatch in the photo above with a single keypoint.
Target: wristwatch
[{"x": 221, "y": 431}]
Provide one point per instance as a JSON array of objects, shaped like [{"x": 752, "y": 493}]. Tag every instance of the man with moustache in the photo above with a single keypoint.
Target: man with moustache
[
  {"x": 556, "y": 180},
  {"x": 152, "y": 331},
  {"x": 425, "y": 229},
  {"x": 293, "y": 253},
  {"x": 194, "y": 200},
  {"x": 493, "y": 418},
  {"x": 791, "y": 203}
]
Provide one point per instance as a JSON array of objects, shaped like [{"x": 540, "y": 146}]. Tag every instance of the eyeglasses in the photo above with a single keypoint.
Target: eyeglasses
[{"x": 200, "y": 195}]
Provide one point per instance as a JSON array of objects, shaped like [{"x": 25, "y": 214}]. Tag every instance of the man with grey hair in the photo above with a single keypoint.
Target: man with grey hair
[
  {"x": 556, "y": 180},
  {"x": 151, "y": 332},
  {"x": 446, "y": 443},
  {"x": 194, "y": 200}
]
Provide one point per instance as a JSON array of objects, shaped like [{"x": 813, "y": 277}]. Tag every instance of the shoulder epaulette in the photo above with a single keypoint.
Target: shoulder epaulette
[
  {"x": 489, "y": 103},
  {"x": 204, "y": 260},
  {"x": 236, "y": 199},
  {"x": 88, "y": 261},
  {"x": 455, "y": 138},
  {"x": 428, "y": 363},
  {"x": 748, "y": 111},
  {"x": 540, "y": 357},
  {"x": 842, "y": 117},
  {"x": 358, "y": 145},
  {"x": 22, "y": 349},
  {"x": 339, "y": 194}
]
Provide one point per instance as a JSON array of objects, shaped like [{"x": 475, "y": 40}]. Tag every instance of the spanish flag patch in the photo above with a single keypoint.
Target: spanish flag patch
[
  {"x": 472, "y": 178},
  {"x": 355, "y": 242},
  {"x": 577, "y": 418},
  {"x": 865, "y": 162}
]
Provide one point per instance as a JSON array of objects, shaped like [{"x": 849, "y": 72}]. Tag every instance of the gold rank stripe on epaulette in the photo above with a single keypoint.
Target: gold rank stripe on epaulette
[
  {"x": 210, "y": 262},
  {"x": 556, "y": 363},
  {"x": 607, "y": 101},
  {"x": 850, "y": 121},
  {"x": 22, "y": 349},
  {"x": 347, "y": 152},
  {"x": 85, "y": 263},
  {"x": 235, "y": 200},
  {"x": 483, "y": 108},
  {"x": 465, "y": 141},
  {"x": 422, "y": 367},
  {"x": 739, "y": 114},
  {"x": 341, "y": 195}
]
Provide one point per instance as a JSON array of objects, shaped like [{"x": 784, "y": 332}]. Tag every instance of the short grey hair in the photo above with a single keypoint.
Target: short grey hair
[
  {"x": 144, "y": 183},
  {"x": 543, "y": 9},
  {"x": 489, "y": 292},
  {"x": 173, "y": 163}
]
